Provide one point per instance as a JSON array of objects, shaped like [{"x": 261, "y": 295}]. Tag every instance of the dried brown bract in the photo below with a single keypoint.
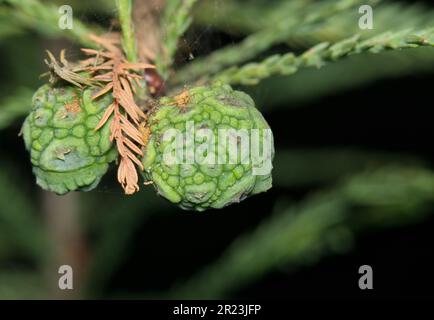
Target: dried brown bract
[
  {"x": 66, "y": 71},
  {"x": 109, "y": 66}
]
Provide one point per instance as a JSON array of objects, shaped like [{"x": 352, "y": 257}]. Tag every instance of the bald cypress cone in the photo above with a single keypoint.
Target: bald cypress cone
[
  {"x": 66, "y": 152},
  {"x": 199, "y": 185}
]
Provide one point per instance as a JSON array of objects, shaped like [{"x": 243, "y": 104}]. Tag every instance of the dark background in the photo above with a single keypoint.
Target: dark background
[{"x": 402, "y": 259}]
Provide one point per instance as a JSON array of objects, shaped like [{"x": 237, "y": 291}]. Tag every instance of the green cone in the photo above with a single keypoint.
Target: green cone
[
  {"x": 209, "y": 179},
  {"x": 66, "y": 152}
]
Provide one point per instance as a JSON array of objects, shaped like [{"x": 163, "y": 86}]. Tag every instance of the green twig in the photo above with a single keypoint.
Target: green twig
[
  {"x": 306, "y": 86},
  {"x": 252, "y": 73},
  {"x": 176, "y": 21},
  {"x": 128, "y": 37}
]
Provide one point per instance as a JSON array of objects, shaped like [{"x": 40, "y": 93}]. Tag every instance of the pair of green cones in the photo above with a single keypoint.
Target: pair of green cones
[{"x": 68, "y": 154}]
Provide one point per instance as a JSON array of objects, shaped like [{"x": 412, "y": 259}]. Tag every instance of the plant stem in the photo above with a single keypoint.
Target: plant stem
[
  {"x": 70, "y": 248},
  {"x": 146, "y": 20},
  {"x": 128, "y": 36},
  {"x": 176, "y": 20}
]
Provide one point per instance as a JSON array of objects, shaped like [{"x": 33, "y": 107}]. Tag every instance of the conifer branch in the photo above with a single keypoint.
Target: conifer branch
[
  {"x": 317, "y": 56},
  {"x": 44, "y": 18},
  {"x": 260, "y": 41},
  {"x": 324, "y": 223},
  {"x": 237, "y": 17},
  {"x": 175, "y": 22}
]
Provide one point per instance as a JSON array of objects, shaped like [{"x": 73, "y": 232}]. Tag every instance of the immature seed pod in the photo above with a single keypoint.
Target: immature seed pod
[
  {"x": 209, "y": 147},
  {"x": 66, "y": 152}
]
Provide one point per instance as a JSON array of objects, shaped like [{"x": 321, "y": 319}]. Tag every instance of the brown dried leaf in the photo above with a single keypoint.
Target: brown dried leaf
[{"x": 109, "y": 65}]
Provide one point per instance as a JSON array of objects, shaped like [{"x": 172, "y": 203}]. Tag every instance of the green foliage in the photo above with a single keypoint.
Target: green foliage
[
  {"x": 345, "y": 191},
  {"x": 15, "y": 106},
  {"x": 235, "y": 16},
  {"x": 8, "y": 26},
  {"x": 18, "y": 219},
  {"x": 121, "y": 219},
  {"x": 335, "y": 164},
  {"x": 262, "y": 40},
  {"x": 44, "y": 18},
  {"x": 305, "y": 86},
  {"x": 22, "y": 284},
  {"x": 175, "y": 22},
  {"x": 318, "y": 55},
  {"x": 128, "y": 37},
  {"x": 322, "y": 224}
]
